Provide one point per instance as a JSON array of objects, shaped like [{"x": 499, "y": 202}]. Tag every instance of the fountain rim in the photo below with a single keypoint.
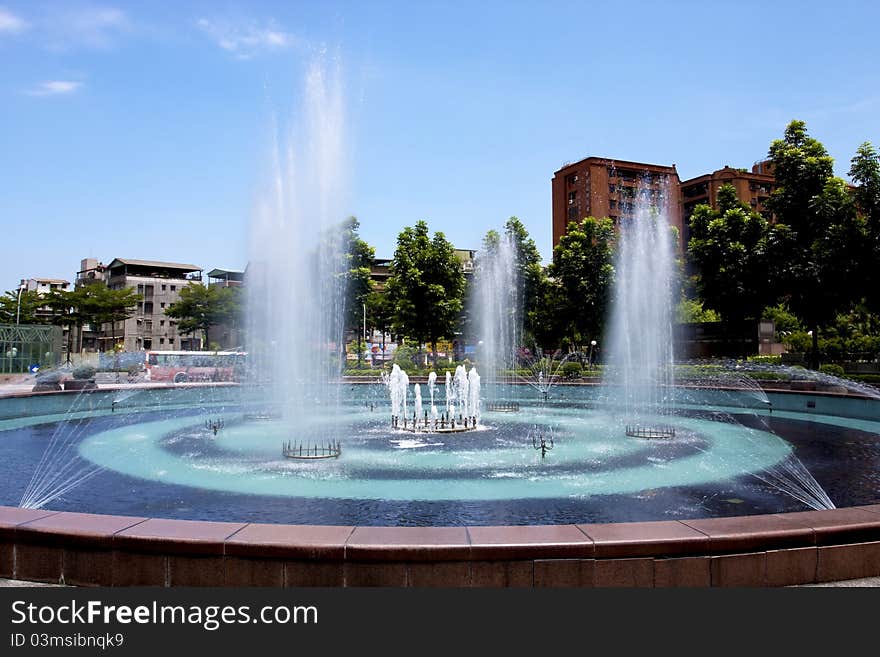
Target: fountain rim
[{"x": 794, "y": 548}]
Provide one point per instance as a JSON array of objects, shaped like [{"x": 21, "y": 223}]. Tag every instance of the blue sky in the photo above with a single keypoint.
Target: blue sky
[{"x": 140, "y": 129}]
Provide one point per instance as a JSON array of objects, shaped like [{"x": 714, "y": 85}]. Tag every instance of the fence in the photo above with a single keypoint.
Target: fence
[{"x": 24, "y": 347}]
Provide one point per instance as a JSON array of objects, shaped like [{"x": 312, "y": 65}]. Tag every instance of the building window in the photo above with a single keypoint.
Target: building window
[
  {"x": 148, "y": 343},
  {"x": 173, "y": 288},
  {"x": 163, "y": 287},
  {"x": 148, "y": 308},
  {"x": 572, "y": 179},
  {"x": 170, "y": 340},
  {"x": 161, "y": 322},
  {"x": 573, "y": 213},
  {"x": 161, "y": 304},
  {"x": 161, "y": 340},
  {"x": 572, "y": 197}
]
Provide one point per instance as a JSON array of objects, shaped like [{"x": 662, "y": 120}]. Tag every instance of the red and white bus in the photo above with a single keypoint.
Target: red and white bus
[{"x": 183, "y": 366}]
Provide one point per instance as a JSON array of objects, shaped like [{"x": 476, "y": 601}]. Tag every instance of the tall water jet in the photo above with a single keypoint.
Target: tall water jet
[
  {"x": 639, "y": 374},
  {"x": 497, "y": 306},
  {"x": 295, "y": 290}
]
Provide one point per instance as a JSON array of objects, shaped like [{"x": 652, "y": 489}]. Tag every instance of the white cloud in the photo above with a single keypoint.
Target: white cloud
[
  {"x": 10, "y": 23},
  {"x": 55, "y": 88},
  {"x": 245, "y": 41},
  {"x": 91, "y": 27}
]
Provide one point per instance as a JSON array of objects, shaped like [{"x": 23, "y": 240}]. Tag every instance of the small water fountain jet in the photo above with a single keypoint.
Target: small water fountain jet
[
  {"x": 462, "y": 402},
  {"x": 544, "y": 371},
  {"x": 60, "y": 468}
]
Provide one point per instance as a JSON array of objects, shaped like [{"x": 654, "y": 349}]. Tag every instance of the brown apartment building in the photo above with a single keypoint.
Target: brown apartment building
[
  {"x": 752, "y": 187},
  {"x": 603, "y": 187}
]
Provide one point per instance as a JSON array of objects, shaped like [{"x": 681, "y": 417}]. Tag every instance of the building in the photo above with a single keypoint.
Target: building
[
  {"x": 159, "y": 284},
  {"x": 380, "y": 272},
  {"x": 603, "y": 187},
  {"x": 752, "y": 187},
  {"x": 46, "y": 314},
  {"x": 225, "y": 278},
  {"x": 44, "y": 286},
  {"x": 468, "y": 258}
]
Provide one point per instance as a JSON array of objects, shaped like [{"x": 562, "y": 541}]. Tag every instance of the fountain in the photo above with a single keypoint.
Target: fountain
[
  {"x": 640, "y": 364},
  {"x": 295, "y": 281},
  {"x": 462, "y": 402},
  {"x": 542, "y": 372},
  {"x": 497, "y": 307}
]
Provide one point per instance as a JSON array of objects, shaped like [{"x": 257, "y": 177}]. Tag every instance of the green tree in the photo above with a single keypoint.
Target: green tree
[
  {"x": 426, "y": 286},
  {"x": 728, "y": 250},
  {"x": 22, "y": 310},
  {"x": 358, "y": 257},
  {"x": 692, "y": 310},
  {"x": 380, "y": 314},
  {"x": 93, "y": 304},
  {"x": 200, "y": 308},
  {"x": 816, "y": 246},
  {"x": 865, "y": 174},
  {"x": 581, "y": 275},
  {"x": 531, "y": 275}
]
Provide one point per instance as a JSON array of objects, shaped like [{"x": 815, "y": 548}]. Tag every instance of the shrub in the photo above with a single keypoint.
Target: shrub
[
  {"x": 834, "y": 370},
  {"x": 767, "y": 360},
  {"x": 52, "y": 376},
  {"x": 84, "y": 372},
  {"x": 572, "y": 369}
]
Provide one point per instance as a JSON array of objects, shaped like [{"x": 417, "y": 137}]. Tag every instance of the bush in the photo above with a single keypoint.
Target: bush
[
  {"x": 767, "y": 360},
  {"x": 873, "y": 379},
  {"x": 84, "y": 373},
  {"x": 572, "y": 369},
  {"x": 834, "y": 370},
  {"x": 52, "y": 376}
]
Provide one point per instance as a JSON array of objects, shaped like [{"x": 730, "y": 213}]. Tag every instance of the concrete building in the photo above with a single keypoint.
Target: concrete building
[
  {"x": 752, "y": 187},
  {"x": 159, "y": 283},
  {"x": 603, "y": 187},
  {"x": 44, "y": 286}
]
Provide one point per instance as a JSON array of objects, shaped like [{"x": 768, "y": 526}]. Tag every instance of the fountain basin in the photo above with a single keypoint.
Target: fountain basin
[{"x": 744, "y": 549}]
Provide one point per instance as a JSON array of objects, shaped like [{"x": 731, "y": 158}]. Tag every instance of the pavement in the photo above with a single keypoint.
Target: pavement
[{"x": 866, "y": 582}]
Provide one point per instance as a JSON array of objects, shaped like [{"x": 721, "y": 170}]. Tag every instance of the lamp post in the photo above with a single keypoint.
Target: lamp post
[
  {"x": 21, "y": 287},
  {"x": 592, "y": 346}
]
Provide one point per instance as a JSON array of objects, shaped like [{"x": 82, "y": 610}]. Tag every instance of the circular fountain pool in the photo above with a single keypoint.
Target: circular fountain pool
[{"x": 152, "y": 454}]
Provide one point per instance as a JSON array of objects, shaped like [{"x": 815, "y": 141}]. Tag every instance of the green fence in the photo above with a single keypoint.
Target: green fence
[{"x": 24, "y": 346}]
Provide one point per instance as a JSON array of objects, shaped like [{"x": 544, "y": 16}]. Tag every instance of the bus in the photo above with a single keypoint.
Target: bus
[{"x": 184, "y": 366}]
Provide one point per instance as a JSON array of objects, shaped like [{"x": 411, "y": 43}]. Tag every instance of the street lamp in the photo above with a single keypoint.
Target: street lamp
[
  {"x": 592, "y": 346},
  {"x": 21, "y": 287}
]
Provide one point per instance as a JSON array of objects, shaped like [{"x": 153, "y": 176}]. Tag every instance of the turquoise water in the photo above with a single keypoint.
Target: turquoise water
[{"x": 151, "y": 454}]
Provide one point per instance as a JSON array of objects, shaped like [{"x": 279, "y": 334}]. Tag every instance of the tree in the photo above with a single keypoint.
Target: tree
[
  {"x": 728, "y": 249},
  {"x": 200, "y": 308},
  {"x": 426, "y": 286},
  {"x": 358, "y": 257},
  {"x": 531, "y": 274},
  {"x": 865, "y": 173},
  {"x": 815, "y": 248},
  {"x": 93, "y": 304},
  {"x": 581, "y": 276},
  {"x": 380, "y": 314},
  {"x": 22, "y": 310}
]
